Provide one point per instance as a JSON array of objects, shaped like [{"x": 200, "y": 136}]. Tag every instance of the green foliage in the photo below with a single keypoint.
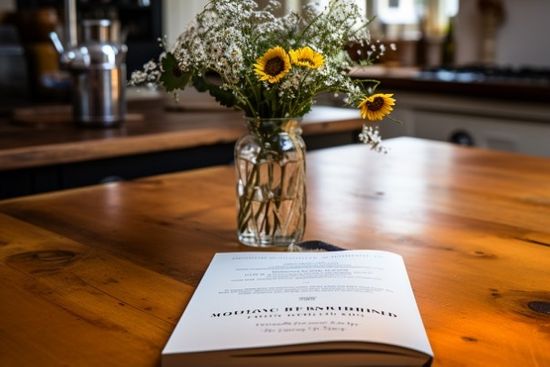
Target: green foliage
[
  {"x": 224, "y": 97},
  {"x": 172, "y": 77}
]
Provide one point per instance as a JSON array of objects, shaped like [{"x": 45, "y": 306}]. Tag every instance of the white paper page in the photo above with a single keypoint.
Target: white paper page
[{"x": 254, "y": 299}]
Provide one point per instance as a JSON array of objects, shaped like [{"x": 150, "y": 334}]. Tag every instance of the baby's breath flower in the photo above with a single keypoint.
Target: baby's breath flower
[{"x": 371, "y": 137}]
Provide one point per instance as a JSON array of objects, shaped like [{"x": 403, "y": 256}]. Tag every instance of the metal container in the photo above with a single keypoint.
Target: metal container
[
  {"x": 98, "y": 69},
  {"x": 99, "y": 85}
]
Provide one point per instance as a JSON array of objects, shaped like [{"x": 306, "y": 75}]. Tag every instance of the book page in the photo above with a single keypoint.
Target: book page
[{"x": 259, "y": 299}]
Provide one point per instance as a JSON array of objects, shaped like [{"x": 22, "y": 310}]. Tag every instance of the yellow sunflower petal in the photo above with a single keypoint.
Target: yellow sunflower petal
[
  {"x": 273, "y": 65},
  {"x": 377, "y": 106},
  {"x": 306, "y": 57}
]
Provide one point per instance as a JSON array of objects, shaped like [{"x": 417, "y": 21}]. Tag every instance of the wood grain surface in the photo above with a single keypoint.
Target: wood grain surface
[
  {"x": 156, "y": 130},
  {"x": 99, "y": 276}
]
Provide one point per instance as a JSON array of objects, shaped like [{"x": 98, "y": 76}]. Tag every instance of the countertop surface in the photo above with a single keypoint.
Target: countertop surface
[
  {"x": 99, "y": 276},
  {"x": 446, "y": 83},
  {"x": 150, "y": 128}
]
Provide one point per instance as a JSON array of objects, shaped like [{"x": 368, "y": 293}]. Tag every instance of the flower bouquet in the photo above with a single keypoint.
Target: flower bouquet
[{"x": 272, "y": 68}]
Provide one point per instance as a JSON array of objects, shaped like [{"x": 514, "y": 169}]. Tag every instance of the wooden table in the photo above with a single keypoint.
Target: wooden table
[{"x": 99, "y": 276}]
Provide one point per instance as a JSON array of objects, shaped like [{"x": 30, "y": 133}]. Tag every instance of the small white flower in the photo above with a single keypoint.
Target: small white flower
[{"x": 371, "y": 137}]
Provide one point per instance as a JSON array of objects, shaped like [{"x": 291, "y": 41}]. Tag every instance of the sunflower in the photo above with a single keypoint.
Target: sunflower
[
  {"x": 273, "y": 65},
  {"x": 305, "y": 56},
  {"x": 377, "y": 106}
]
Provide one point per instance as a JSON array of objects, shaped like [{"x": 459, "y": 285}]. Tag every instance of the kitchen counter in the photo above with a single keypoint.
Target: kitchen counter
[
  {"x": 413, "y": 80},
  {"x": 149, "y": 131},
  {"x": 51, "y": 156},
  {"x": 499, "y": 111}
]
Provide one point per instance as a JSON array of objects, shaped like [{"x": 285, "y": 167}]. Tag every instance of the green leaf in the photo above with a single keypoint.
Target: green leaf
[
  {"x": 305, "y": 109},
  {"x": 173, "y": 77},
  {"x": 224, "y": 97}
]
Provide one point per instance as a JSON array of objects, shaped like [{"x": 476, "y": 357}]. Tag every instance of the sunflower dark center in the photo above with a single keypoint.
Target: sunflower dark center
[
  {"x": 307, "y": 61},
  {"x": 274, "y": 66},
  {"x": 376, "y": 104},
  {"x": 176, "y": 71}
]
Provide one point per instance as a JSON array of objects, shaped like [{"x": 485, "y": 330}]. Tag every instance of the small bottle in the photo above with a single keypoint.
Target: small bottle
[
  {"x": 448, "y": 47},
  {"x": 422, "y": 45}
]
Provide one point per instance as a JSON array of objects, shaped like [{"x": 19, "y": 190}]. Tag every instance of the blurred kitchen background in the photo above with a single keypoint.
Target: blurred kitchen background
[{"x": 473, "y": 72}]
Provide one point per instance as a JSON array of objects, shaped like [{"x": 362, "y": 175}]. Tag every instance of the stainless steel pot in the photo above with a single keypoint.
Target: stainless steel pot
[{"x": 98, "y": 70}]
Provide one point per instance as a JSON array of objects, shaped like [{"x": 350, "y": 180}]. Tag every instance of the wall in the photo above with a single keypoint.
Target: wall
[
  {"x": 178, "y": 14},
  {"x": 7, "y": 5},
  {"x": 522, "y": 40}
]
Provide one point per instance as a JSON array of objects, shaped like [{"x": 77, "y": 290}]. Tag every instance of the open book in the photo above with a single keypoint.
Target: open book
[{"x": 346, "y": 308}]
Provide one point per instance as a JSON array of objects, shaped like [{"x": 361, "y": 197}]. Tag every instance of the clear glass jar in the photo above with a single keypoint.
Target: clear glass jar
[{"x": 271, "y": 183}]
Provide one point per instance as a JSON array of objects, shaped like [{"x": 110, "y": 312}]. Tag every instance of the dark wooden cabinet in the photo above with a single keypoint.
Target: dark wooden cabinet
[{"x": 27, "y": 181}]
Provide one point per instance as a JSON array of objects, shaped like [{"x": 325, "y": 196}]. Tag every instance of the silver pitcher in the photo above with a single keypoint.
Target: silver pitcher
[{"x": 98, "y": 69}]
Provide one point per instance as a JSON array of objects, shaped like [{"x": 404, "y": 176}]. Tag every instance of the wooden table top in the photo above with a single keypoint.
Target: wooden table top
[
  {"x": 153, "y": 130},
  {"x": 99, "y": 276}
]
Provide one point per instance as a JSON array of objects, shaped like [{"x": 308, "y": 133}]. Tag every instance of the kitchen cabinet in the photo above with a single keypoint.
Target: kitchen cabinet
[{"x": 515, "y": 126}]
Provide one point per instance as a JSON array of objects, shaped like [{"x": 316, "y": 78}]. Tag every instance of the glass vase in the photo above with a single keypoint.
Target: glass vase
[{"x": 271, "y": 174}]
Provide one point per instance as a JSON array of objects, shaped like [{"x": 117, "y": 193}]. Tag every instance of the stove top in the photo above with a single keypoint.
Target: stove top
[{"x": 484, "y": 74}]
